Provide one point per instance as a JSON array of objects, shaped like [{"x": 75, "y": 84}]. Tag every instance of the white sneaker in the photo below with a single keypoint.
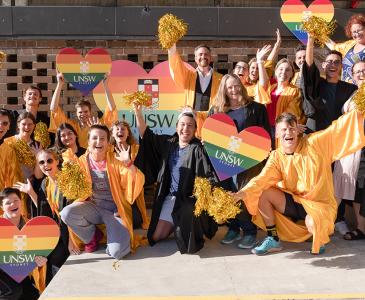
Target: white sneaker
[{"x": 341, "y": 227}]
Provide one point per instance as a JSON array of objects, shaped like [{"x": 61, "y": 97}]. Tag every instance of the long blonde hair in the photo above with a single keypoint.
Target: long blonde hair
[
  {"x": 221, "y": 102},
  {"x": 282, "y": 61}
]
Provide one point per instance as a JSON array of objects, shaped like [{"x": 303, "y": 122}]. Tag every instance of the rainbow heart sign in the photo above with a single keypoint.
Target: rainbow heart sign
[
  {"x": 293, "y": 12},
  {"x": 84, "y": 73},
  {"x": 18, "y": 248},
  {"x": 231, "y": 152},
  {"x": 128, "y": 77}
]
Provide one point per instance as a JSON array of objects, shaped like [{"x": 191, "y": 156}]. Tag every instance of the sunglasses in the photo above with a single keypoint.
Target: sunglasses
[{"x": 48, "y": 161}]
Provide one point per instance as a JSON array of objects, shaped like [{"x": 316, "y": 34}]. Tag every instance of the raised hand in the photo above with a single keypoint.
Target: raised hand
[
  {"x": 60, "y": 78},
  {"x": 301, "y": 128},
  {"x": 35, "y": 148},
  {"x": 23, "y": 187},
  {"x": 123, "y": 154},
  {"x": 278, "y": 36},
  {"x": 137, "y": 107},
  {"x": 261, "y": 53},
  {"x": 40, "y": 261},
  {"x": 93, "y": 121}
]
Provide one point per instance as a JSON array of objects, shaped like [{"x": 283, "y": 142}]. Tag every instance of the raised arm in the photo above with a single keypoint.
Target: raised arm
[
  {"x": 260, "y": 56},
  {"x": 309, "y": 51},
  {"x": 330, "y": 44},
  {"x": 108, "y": 94},
  {"x": 179, "y": 72},
  {"x": 57, "y": 93},
  {"x": 141, "y": 124},
  {"x": 27, "y": 188},
  {"x": 273, "y": 56}
]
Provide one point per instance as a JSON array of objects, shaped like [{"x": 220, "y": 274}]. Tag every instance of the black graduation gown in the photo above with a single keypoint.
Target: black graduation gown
[
  {"x": 189, "y": 230},
  {"x": 60, "y": 254},
  {"x": 314, "y": 105}
]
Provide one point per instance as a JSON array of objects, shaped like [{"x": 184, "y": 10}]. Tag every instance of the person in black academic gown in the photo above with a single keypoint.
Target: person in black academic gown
[{"x": 180, "y": 159}]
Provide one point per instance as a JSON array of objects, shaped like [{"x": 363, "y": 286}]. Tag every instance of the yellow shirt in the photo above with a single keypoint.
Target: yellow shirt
[
  {"x": 58, "y": 117},
  {"x": 307, "y": 175}
]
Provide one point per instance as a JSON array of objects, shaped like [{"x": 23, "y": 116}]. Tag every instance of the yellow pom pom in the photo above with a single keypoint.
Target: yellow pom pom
[
  {"x": 41, "y": 135},
  {"x": 217, "y": 202},
  {"x": 202, "y": 193},
  {"x": 141, "y": 97},
  {"x": 2, "y": 57},
  {"x": 73, "y": 182},
  {"x": 359, "y": 99},
  {"x": 23, "y": 153},
  {"x": 319, "y": 28},
  {"x": 170, "y": 30},
  {"x": 222, "y": 206}
]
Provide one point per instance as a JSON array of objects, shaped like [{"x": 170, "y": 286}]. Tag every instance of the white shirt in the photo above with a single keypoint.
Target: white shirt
[{"x": 204, "y": 80}]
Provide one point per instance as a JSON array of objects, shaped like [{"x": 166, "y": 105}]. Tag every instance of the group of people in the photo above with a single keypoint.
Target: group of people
[{"x": 317, "y": 139}]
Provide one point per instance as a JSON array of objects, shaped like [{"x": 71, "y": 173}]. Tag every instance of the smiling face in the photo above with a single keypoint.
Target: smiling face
[
  {"x": 283, "y": 72},
  {"x": 83, "y": 113},
  {"x": 233, "y": 91},
  {"x": 4, "y": 125},
  {"x": 357, "y": 33},
  {"x": 26, "y": 128},
  {"x": 358, "y": 73},
  {"x": 11, "y": 206},
  {"x": 332, "y": 66},
  {"x": 98, "y": 142},
  {"x": 300, "y": 58},
  {"x": 32, "y": 97},
  {"x": 68, "y": 137},
  {"x": 202, "y": 57},
  {"x": 253, "y": 72},
  {"x": 185, "y": 129},
  {"x": 241, "y": 70},
  {"x": 120, "y": 133},
  {"x": 288, "y": 135},
  {"x": 47, "y": 163}
]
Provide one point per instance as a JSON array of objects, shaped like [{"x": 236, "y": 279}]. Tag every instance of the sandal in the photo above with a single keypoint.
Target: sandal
[{"x": 356, "y": 234}]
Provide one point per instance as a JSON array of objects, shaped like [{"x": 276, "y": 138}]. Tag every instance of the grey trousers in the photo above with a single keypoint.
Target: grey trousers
[{"x": 82, "y": 217}]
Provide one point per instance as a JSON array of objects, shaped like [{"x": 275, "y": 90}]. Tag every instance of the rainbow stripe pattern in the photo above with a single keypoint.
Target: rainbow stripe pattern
[
  {"x": 19, "y": 247},
  {"x": 84, "y": 73},
  {"x": 128, "y": 77},
  {"x": 231, "y": 152},
  {"x": 292, "y": 13}
]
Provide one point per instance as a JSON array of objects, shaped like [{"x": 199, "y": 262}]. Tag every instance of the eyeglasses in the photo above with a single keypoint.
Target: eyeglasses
[
  {"x": 333, "y": 62},
  {"x": 360, "y": 72},
  {"x": 48, "y": 161},
  {"x": 357, "y": 32},
  {"x": 5, "y": 123}
]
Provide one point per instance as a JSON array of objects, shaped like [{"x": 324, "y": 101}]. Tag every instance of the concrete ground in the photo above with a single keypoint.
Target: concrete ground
[{"x": 217, "y": 272}]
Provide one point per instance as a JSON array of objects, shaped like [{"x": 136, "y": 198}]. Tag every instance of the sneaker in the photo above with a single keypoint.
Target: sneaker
[
  {"x": 230, "y": 237},
  {"x": 268, "y": 245},
  {"x": 247, "y": 242},
  {"x": 93, "y": 245},
  {"x": 341, "y": 227},
  {"x": 322, "y": 249}
]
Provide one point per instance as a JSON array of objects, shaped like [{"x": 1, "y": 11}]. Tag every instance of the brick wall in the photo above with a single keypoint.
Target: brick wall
[{"x": 33, "y": 62}]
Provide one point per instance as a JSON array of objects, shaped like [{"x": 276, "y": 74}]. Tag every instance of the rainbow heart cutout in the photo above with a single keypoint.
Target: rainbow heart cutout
[
  {"x": 128, "y": 77},
  {"x": 84, "y": 73},
  {"x": 292, "y": 13},
  {"x": 231, "y": 152},
  {"x": 38, "y": 237}
]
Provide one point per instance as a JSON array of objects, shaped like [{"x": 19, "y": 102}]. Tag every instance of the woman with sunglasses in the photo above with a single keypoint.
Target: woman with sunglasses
[
  {"x": 122, "y": 139},
  {"x": 66, "y": 138},
  {"x": 49, "y": 202}
]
